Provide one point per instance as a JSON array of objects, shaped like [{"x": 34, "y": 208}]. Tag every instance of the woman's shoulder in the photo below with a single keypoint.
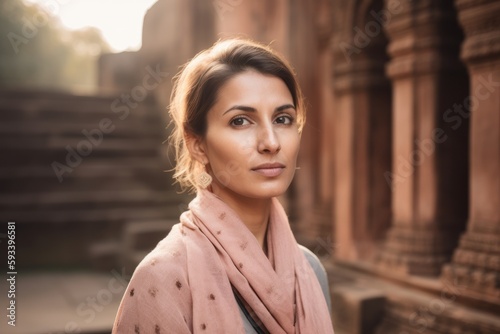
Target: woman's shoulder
[
  {"x": 313, "y": 260},
  {"x": 158, "y": 293},
  {"x": 320, "y": 272},
  {"x": 168, "y": 257}
]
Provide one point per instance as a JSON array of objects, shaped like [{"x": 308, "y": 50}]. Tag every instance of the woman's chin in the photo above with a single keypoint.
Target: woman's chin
[{"x": 266, "y": 192}]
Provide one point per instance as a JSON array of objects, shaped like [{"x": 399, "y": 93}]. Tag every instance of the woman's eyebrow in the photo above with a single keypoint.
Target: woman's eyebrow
[
  {"x": 250, "y": 109},
  {"x": 285, "y": 106},
  {"x": 239, "y": 107}
]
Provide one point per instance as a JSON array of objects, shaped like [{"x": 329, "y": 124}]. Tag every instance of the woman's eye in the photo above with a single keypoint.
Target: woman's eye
[
  {"x": 239, "y": 121},
  {"x": 284, "y": 120}
]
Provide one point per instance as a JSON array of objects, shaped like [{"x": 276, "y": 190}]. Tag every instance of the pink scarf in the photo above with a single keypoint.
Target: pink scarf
[{"x": 186, "y": 284}]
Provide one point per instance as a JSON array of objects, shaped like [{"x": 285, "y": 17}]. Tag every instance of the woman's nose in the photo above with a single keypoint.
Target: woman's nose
[{"x": 268, "y": 141}]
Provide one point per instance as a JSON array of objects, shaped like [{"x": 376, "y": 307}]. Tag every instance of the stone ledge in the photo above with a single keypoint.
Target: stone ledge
[{"x": 429, "y": 306}]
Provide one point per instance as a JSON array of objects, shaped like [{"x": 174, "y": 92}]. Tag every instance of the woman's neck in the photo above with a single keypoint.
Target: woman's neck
[{"x": 253, "y": 212}]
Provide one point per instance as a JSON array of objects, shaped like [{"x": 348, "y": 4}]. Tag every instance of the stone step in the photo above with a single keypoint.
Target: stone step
[
  {"x": 143, "y": 235},
  {"x": 38, "y": 185},
  {"x": 104, "y": 184},
  {"x": 94, "y": 168},
  {"x": 145, "y": 181},
  {"x": 12, "y": 159},
  {"x": 140, "y": 237},
  {"x": 81, "y": 198},
  {"x": 89, "y": 215},
  {"x": 106, "y": 254},
  {"x": 74, "y": 114},
  {"x": 55, "y": 142},
  {"x": 83, "y": 180},
  {"x": 32, "y": 102},
  {"x": 137, "y": 240},
  {"x": 361, "y": 299},
  {"x": 66, "y": 128}
]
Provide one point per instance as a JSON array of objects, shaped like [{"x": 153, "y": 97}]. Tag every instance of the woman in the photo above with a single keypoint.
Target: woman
[{"x": 232, "y": 265}]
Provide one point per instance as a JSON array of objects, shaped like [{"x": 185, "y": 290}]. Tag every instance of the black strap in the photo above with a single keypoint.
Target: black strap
[{"x": 247, "y": 315}]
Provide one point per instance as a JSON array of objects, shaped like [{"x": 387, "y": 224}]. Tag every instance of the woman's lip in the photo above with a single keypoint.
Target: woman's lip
[
  {"x": 269, "y": 170},
  {"x": 269, "y": 165}
]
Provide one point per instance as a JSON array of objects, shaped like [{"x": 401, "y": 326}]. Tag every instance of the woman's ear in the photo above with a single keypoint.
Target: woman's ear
[{"x": 196, "y": 147}]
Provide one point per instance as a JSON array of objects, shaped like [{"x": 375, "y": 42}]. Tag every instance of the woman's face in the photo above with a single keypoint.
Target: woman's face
[{"x": 252, "y": 137}]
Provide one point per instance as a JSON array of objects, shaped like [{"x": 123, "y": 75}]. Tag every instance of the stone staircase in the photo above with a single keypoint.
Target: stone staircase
[{"x": 74, "y": 170}]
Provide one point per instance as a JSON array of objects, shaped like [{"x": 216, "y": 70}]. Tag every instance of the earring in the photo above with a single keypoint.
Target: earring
[{"x": 204, "y": 179}]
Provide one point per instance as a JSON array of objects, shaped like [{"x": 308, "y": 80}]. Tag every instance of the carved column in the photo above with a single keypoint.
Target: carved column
[
  {"x": 476, "y": 262},
  {"x": 311, "y": 31},
  {"x": 362, "y": 136},
  {"x": 429, "y": 162}
]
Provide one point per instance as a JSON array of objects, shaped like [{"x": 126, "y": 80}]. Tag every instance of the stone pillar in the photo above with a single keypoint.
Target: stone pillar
[
  {"x": 429, "y": 162},
  {"x": 476, "y": 261},
  {"x": 362, "y": 137},
  {"x": 311, "y": 30}
]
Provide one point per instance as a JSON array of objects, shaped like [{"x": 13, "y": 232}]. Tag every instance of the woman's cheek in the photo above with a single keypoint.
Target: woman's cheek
[{"x": 226, "y": 169}]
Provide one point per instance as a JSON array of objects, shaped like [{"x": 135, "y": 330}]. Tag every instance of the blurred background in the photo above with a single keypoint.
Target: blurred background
[{"x": 398, "y": 190}]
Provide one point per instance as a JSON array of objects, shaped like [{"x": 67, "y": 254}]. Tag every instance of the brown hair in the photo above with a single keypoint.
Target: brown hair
[{"x": 198, "y": 83}]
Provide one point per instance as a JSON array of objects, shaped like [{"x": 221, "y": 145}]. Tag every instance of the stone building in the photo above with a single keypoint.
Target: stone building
[{"x": 417, "y": 168}]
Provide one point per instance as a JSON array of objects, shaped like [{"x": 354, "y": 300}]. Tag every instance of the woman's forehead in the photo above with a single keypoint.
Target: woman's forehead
[{"x": 252, "y": 87}]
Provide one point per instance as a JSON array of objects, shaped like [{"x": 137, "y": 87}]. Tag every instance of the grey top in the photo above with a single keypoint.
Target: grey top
[{"x": 320, "y": 272}]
